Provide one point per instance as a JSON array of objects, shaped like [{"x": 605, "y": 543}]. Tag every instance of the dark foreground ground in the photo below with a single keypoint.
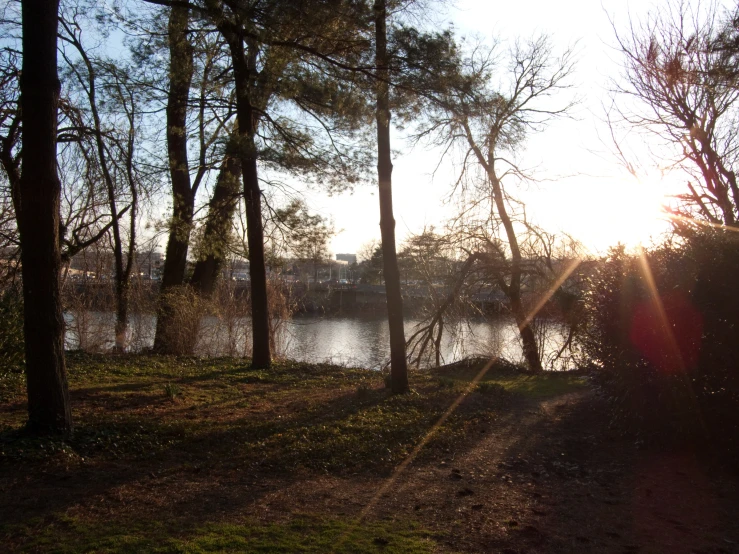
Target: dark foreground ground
[{"x": 187, "y": 455}]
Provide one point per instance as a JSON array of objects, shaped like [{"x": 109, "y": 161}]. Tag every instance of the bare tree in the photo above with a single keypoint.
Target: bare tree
[
  {"x": 466, "y": 108},
  {"x": 680, "y": 86},
  {"x": 81, "y": 220},
  {"x": 112, "y": 119}
]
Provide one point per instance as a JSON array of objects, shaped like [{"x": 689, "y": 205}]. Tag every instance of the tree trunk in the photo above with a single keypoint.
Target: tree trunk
[
  {"x": 183, "y": 199},
  {"x": 528, "y": 339},
  {"x": 513, "y": 290},
  {"x": 39, "y": 195},
  {"x": 121, "y": 319},
  {"x": 398, "y": 362},
  {"x": 261, "y": 355},
  {"x": 243, "y": 69},
  {"x": 214, "y": 243},
  {"x": 217, "y": 226}
]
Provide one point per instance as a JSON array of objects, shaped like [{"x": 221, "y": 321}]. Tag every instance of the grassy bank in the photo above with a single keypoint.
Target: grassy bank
[{"x": 176, "y": 454}]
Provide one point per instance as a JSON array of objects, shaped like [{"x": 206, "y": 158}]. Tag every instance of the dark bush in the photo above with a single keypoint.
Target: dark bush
[{"x": 661, "y": 333}]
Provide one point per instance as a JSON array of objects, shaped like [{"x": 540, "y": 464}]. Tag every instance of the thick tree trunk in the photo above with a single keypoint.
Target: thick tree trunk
[
  {"x": 214, "y": 243},
  {"x": 39, "y": 194},
  {"x": 183, "y": 199},
  {"x": 398, "y": 362},
  {"x": 248, "y": 119},
  {"x": 261, "y": 354}
]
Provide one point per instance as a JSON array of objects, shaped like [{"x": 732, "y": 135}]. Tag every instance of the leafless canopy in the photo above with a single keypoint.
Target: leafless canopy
[
  {"x": 487, "y": 118},
  {"x": 679, "y": 86}
]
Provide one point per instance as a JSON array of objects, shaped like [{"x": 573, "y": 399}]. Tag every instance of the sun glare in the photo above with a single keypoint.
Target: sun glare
[{"x": 609, "y": 212}]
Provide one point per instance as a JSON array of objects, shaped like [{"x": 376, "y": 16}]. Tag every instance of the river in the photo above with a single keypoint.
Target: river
[{"x": 359, "y": 341}]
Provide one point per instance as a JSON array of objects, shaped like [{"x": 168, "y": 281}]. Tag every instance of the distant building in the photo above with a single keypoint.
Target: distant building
[
  {"x": 348, "y": 258},
  {"x": 97, "y": 263}
]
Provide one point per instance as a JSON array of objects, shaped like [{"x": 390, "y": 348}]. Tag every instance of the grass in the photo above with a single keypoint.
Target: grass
[
  {"x": 302, "y": 533},
  {"x": 511, "y": 379},
  {"x": 293, "y": 416},
  {"x": 146, "y": 423}
]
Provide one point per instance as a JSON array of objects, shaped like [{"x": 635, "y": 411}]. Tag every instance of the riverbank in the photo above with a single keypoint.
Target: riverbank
[{"x": 198, "y": 455}]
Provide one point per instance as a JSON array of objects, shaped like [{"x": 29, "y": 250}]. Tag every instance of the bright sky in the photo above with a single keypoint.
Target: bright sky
[{"x": 586, "y": 192}]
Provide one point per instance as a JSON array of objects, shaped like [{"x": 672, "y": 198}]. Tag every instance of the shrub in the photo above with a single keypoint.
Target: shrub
[
  {"x": 660, "y": 333},
  {"x": 184, "y": 310}
]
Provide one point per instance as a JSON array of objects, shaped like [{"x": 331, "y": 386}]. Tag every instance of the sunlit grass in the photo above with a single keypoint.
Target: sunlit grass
[
  {"x": 294, "y": 416},
  {"x": 514, "y": 381},
  {"x": 302, "y": 533}
]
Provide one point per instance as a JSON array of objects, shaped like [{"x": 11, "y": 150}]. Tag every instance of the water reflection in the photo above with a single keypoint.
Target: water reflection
[{"x": 360, "y": 341}]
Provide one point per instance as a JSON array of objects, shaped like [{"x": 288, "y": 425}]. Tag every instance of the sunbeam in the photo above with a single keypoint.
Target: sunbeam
[
  {"x": 417, "y": 449},
  {"x": 550, "y": 292},
  {"x": 675, "y": 360},
  {"x": 700, "y": 223}
]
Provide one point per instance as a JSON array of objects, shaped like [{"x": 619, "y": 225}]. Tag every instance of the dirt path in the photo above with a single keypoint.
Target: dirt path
[{"x": 547, "y": 477}]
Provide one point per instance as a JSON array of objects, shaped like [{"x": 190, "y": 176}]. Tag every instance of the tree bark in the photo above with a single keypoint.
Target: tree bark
[
  {"x": 214, "y": 241},
  {"x": 244, "y": 68},
  {"x": 183, "y": 198},
  {"x": 39, "y": 196},
  {"x": 213, "y": 246},
  {"x": 398, "y": 362}
]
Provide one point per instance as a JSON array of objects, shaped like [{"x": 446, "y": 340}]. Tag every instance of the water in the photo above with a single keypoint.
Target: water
[{"x": 359, "y": 341}]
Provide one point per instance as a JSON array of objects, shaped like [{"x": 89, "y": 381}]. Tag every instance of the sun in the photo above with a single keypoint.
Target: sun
[
  {"x": 640, "y": 204},
  {"x": 603, "y": 212}
]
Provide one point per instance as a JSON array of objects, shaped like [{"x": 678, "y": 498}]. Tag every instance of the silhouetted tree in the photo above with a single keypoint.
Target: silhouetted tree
[
  {"x": 680, "y": 84},
  {"x": 38, "y": 221},
  {"x": 463, "y": 107},
  {"x": 398, "y": 362},
  {"x": 81, "y": 204},
  {"x": 183, "y": 192},
  {"x": 111, "y": 117}
]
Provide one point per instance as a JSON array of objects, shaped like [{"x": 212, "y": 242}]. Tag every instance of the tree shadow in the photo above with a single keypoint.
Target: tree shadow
[
  {"x": 211, "y": 473},
  {"x": 577, "y": 486}
]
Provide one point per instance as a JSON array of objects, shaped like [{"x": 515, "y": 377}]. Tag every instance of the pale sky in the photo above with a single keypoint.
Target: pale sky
[{"x": 587, "y": 192}]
